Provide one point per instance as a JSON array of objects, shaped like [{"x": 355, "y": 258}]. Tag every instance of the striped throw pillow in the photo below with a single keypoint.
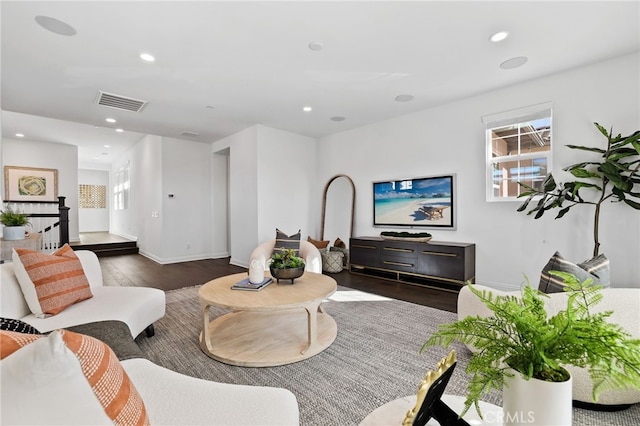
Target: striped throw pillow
[
  {"x": 11, "y": 341},
  {"x": 99, "y": 367},
  {"x": 287, "y": 242},
  {"x": 50, "y": 282},
  {"x": 596, "y": 268}
]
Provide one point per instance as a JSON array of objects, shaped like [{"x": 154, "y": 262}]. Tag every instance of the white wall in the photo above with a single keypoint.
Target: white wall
[
  {"x": 243, "y": 187},
  {"x": 47, "y": 155},
  {"x": 450, "y": 139},
  {"x": 94, "y": 219},
  {"x": 186, "y": 220},
  {"x": 167, "y": 229},
  {"x": 271, "y": 176},
  {"x": 286, "y": 175},
  {"x": 220, "y": 204}
]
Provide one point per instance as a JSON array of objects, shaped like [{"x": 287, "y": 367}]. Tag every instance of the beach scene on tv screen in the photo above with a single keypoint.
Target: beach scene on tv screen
[{"x": 414, "y": 202}]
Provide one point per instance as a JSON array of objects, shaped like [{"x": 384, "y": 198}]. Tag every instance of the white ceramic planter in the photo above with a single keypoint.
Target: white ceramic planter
[
  {"x": 13, "y": 233},
  {"x": 535, "y": 402}
]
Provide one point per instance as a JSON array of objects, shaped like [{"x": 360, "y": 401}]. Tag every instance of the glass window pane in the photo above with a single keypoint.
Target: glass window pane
[
  {"x": 507, "y": 174},
  {"x": 511, "y": 140}
]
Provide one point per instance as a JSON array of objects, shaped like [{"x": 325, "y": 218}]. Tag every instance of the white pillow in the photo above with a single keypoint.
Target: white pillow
[{"x": 43, "y": 384}]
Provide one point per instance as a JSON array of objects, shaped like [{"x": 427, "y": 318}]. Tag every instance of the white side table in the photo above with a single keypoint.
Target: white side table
[
  {"x": 6, "y": 247},
  {"x": 393, "y": 413}
]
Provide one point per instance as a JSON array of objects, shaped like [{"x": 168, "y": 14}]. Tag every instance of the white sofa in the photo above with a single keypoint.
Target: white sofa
[
  {"x": 170, "y": 398},
  {"x": 138, "y": 307},
  {"x": 175, "y": 399},
  {"x": 309, "y": 252},
  {"x": 43, "y": 384},
  {"x": 623, "y": 302}
]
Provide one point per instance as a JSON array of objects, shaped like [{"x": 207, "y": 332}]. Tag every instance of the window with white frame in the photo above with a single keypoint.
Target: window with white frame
[
  {"x": 518, "y": 146},
  {"x": 121, "y": 189}
]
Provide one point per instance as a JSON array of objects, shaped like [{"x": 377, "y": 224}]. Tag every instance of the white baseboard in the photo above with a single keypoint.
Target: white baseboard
[
  {"x": 167, "y": 261},
  {"x": 242, "y": 264}
]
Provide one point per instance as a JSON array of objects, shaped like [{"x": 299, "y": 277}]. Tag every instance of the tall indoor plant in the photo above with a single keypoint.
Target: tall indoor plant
[
  {"x": 613, "y": 176},
  {"x": 521, "y": 336}
]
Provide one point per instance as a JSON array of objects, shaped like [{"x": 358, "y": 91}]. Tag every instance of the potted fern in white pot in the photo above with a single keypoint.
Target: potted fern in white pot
[
  {"x": 521, "y": 344},
  {"x": 15, "y": 224}
]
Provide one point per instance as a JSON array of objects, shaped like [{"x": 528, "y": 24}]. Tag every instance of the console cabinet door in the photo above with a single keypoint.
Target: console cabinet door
[
  {"x": 442, "y": 261},
  {"x": 364, "y": 253}
]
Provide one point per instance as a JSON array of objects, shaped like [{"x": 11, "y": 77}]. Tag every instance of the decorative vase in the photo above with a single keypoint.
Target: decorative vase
[
  {"x": 536, "y": 402},
  {"x": 13, "y": 233},
  {"x": 286, "y": 273},
  {"x": 256, "y": 271}
]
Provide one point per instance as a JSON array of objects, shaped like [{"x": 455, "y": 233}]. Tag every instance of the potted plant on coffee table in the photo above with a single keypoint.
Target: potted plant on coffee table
[
  {"x": 521, "y": 345},
  {"x": 286, "y": 265},
  {"x": 15, "y": 224}
]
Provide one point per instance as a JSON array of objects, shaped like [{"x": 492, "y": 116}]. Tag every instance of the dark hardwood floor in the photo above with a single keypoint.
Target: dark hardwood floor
[{"x": 137, "y": 270}]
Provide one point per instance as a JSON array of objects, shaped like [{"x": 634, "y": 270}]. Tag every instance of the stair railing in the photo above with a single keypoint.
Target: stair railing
[{"x": 52, "y": 224}]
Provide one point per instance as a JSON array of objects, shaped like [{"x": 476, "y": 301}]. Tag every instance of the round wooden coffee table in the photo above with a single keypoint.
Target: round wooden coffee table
[{"x": 280, "y": 324}]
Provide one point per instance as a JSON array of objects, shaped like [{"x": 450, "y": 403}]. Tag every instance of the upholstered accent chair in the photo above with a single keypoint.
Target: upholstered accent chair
[{"x": 309, "y": 252}]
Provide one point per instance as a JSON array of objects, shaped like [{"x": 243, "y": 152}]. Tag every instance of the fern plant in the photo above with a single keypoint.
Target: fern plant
[
  {"x": 9, "y": 217},
  {"x": 521, "y": 335}
]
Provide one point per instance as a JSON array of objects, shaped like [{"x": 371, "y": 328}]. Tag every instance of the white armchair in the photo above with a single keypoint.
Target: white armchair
[{"x": 309, "y": 252}]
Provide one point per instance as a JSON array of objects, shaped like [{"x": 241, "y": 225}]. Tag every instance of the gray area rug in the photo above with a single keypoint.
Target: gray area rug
[{"x": 374, "y": 359}]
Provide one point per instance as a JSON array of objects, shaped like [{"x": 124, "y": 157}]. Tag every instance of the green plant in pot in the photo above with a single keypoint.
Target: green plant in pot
[
  {"x": 520, "y": 335},
  {"x": 15, "y": 224},
  {"x": 613, "y": 176},
  {"x": 286, "y": 265}
]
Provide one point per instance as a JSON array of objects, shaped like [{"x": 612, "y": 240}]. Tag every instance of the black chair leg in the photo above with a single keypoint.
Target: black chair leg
[{"x": 150, "y": 331}]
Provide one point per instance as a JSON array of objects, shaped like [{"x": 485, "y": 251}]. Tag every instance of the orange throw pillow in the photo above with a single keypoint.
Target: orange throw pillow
[
  {"x": 320, "y": 244},
  {"x": 11, "y": 341},
  {"x": 58, "y": 278},
  {"x": 100, "y": 367},
  {"x": 107, "y": 378}
]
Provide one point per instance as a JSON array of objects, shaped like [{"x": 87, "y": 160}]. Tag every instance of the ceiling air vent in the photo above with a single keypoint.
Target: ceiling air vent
[
  {"x": 189, "y": 134},
  {"x": 120, "y": 102}
]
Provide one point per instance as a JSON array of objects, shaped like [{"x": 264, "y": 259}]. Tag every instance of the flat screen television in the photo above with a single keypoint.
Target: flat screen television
[{"x": 420, "y": 202}]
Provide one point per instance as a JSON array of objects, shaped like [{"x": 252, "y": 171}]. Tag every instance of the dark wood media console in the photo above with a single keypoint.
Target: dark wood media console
[{"x": 443, "y": 265}]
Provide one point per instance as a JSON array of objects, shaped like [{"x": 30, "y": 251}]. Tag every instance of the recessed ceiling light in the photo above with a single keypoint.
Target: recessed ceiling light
[
  {"x": 119, "y": 130},
  {"x": 499, "y": 36},
  {"x": 107, "y": 146},
  {"x": 516, "y": 62},
  {"x": 307, "y": 108},
  {"x": 404, "y": 98},
  {"x": 55, "y": 26},
  {"x": 110, "y": 120},
  {"x": 316, "y": 45},
  {"x": 337, "y": 118},
  {"x": 20, "y": 135},
  {"x": 147, "y": 57}
]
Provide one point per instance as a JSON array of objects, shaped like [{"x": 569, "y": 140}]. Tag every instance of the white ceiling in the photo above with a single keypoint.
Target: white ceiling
[{"x": 251, "y": 63}]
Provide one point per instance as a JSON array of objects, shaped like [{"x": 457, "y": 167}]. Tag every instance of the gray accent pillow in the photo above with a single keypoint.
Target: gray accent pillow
[
  {"x": 596, "y": 268},
  {"x": 286, "y": 242}
]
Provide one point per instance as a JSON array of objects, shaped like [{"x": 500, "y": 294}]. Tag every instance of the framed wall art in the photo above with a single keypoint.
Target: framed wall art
[{"x": 30, "y": 184}]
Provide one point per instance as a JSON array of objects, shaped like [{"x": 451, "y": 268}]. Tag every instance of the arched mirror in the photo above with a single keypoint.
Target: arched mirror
[{"x": 338, "y": 205}]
